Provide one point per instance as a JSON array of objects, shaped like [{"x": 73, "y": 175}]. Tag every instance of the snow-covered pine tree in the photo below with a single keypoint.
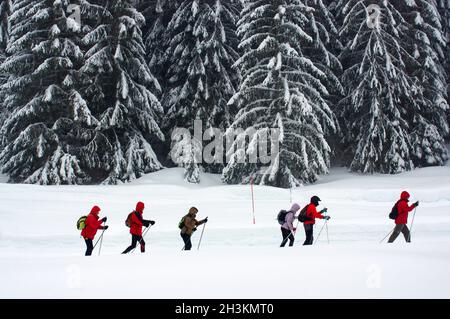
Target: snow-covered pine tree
[
  {"x": 123, "y": 93},
  {"x": 158, "y": 14},
  {"x": 381, "y": 96},
  {"x": 47, "y": 116},
  {"x": 444, "y": 10},
  {"x": 430, "y": 125},
  {"x": 186, "y": 152},
  {"x": 326, "y": 47},
  {"x": 325, "y": 54},
  {"x": 5, "y": 12},
  {"x": 200, "y": 49},
  {"x": 281, "y": 89}
]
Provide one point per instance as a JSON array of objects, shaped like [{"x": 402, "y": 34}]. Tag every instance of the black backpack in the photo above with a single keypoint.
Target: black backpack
[
  {"x": 302, "y": 217},
  {"x": 394, "y": 212},
  {"x": 281, "y": 217}
]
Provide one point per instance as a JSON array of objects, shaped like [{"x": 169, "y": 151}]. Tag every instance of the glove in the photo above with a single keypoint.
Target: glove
[
  {"x": 295, "y": 229},
  {"x": 326, "y": 217},
  {"x": 105, "y": 227},
  {"x": 324, "y": 210},
  {"x": 205, "y": 220},
  {"x": 104, "y": 219},
  {"x": 194, "y": 229},
  {"x": 416, "y": 204},
  {"x": 152, "y": 222}
]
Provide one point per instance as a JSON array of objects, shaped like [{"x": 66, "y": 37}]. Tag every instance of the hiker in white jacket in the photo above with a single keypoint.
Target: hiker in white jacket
[{"x": 288, "y": 229}]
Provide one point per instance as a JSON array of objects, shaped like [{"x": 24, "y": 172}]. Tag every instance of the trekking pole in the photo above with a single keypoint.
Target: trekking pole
[
  {"x": 412, "y": 223},
  {"x": 320, "y": 232},
  {"x": 387, "y": 235},
  {"x": 289, "y": 235},
  {"x": 101, "y": 240},
  {"x": 253, "y": 200},
  {"x": 293, "y": 234},
  {"x": 101, "y": 243},
  {"x": 201, "y": 236},
  {"x": 98, "y": 240}
]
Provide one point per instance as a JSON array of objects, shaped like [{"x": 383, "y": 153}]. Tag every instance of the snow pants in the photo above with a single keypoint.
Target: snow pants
[
  {"x": 287, "y": 234},
  {"x": 187, "y": 241},
  {"x": 400, "y": 229},
  {"x": 134, "y": 240},
  {"x": 89, "y": 247},
  {"x": 309, "y": 234}
]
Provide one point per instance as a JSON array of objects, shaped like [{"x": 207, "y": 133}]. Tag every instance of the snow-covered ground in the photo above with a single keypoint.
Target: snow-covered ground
[{"x": 41, "y": 250}]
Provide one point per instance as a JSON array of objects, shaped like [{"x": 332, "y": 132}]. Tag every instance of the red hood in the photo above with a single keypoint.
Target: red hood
[
  {"x": 140, "y": 207},
  {"x": 95, "y": 210},
  {"x": 404, "y": 195}
]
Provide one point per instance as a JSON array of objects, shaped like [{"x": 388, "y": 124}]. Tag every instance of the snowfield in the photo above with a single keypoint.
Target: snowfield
[{"x": 41, "y": 252}]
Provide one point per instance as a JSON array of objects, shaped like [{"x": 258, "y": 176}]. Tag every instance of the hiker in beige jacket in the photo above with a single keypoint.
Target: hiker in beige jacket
[{"x": 190, "y": 225}]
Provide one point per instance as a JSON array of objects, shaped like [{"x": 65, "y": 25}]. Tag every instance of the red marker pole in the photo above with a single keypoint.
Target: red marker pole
[{"x": 253, "y": 200}]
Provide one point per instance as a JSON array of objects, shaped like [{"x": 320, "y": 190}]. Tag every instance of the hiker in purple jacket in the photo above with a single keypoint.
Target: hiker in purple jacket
[{"x": 288, "y": 229}]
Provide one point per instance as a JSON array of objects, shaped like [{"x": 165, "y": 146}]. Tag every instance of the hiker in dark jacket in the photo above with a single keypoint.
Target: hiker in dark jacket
[
  {"x": 190, "y": 226},
  {"x": 137, "y": 221},
  {"x": 403, "y": 210},
  {"x": 288, "y": 229},
  {"x": 312, "y": 214},
  {"x": 93, "y": 223}
]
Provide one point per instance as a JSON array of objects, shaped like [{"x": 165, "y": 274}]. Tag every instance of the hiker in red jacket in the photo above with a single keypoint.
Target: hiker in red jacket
[
  {"x": 136, "y": 228},
  {"x": 312, "y": 214},
  {"x": 93, "y": 223},
  {"x": 403, "y": 210}
]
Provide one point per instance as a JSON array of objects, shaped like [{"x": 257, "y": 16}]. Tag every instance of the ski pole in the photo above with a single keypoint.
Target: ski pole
[
  {"x": 387, "y": 235},
  {"x": 412, "y": 224},
  {"x": 99, "y": 240},
  {"x": 285, "y": 239},
  {"x": 253, "y": 200},
  {"x": 326, "y": 226},
  {"x": 320, "y": 232},
  {"x": 145, "y": 233},
  {"x": 201, "y": 236},
  {"x": 291, "y": 233},
  {"x": 101, "y": 243},
  {"x": 101, "y": 236}
]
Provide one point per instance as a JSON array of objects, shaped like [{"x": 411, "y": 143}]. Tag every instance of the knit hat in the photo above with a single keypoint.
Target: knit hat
[{"x": 315, "y": 200}]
